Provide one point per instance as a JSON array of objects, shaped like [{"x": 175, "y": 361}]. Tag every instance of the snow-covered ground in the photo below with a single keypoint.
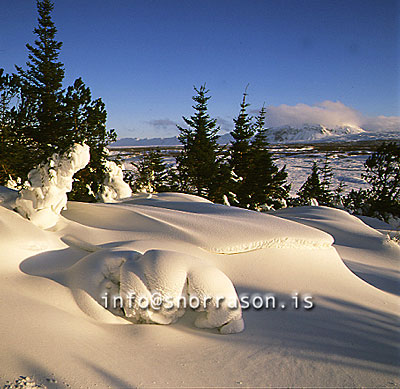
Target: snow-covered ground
[
  {"x": 57, "y": 332},
  {"x": 347, "y": 166}
]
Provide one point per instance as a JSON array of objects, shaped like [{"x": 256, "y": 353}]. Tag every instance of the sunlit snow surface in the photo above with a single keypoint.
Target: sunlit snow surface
[{"x": 51, "y": 282}]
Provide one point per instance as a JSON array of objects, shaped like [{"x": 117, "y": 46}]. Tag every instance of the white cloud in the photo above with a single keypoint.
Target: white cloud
[
  {"x": 382, "y": 123},
  {"x": 329, "y": 114}
]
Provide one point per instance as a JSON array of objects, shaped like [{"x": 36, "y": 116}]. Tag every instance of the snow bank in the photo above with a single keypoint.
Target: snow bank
[
  {"x": 215, "y": 228},
  {"x": 55, "y": 320},
  {"x": 114, "y": 187},
  {"x": 155, "y": 287},
  {"x": 45, "y": 193}
]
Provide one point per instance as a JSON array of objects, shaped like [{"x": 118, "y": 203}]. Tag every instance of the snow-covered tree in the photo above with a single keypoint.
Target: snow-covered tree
[
  {"x": 87, "y": 123},
  {"x": 44, "y": 194}
]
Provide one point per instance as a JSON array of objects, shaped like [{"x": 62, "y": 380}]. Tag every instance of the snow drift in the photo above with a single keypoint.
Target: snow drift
[{"x": 57, "y": 327}]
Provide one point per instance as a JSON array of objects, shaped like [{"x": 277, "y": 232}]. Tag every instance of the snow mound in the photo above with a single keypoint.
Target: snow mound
[
  {"x": 215, "y": 228},
  {"x": 155, "y": 287},
  {"x": 170, "y": 276},
  {"x": 370, "y": 254},
  {"x": 114, "y": 187},
  {"x": 45, "y": 194}
]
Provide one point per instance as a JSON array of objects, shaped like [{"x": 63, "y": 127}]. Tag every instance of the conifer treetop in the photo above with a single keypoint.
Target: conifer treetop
[{"x": 44, "y": 72}]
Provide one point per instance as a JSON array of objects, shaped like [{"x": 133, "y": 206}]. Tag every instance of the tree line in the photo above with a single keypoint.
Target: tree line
[{"x": 245, "y": 174}]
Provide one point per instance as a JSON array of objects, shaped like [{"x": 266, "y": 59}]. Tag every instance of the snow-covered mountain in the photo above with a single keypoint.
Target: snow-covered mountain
[
  {"x": 311, "y": 132},
  {"x": 283, "y": 134}
]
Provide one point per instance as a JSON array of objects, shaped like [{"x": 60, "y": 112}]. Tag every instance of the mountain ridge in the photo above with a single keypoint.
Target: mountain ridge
[{"x": 282, "y": 134}]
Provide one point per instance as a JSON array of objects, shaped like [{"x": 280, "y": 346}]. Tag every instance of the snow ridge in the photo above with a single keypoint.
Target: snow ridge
[{"x": 280, "y": 243}]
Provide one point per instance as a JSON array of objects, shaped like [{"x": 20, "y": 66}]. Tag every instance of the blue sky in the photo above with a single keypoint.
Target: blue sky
[{"x": 143, "y": 57}]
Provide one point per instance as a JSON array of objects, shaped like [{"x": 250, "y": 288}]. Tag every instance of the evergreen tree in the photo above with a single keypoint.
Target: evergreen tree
[
  {"x": 152, "y": 173},
  {"x": 9, "y": 144},
  {"x": 50, "y": 119},
  {"x": 265, "y": 182},
  {"x": 326, "y": 177},
  {"x": 383, "y": 173},
  {"x": 239, "y": 154},
  {"x": 41, "y": 116},
  {"x": 338, "y": 194},
  {"x": 313, "y": 188},
  {"x": 382, "y": 198},
  {"x": 317, "y": 186},
  {"x": 199, "y": 165},
  {"x": 86, "y": 120}
]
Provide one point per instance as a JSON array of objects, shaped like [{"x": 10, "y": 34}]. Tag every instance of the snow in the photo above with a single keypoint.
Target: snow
[
  {"x": 44, "y": 195},
  {"x": 114, "y": 188},
  {"x": 56, "y": 325},
  {"x": 283, "y": 134}
]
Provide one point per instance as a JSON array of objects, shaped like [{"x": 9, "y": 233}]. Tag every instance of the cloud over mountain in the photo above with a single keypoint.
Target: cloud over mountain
[{"x": 330, "y": 114}]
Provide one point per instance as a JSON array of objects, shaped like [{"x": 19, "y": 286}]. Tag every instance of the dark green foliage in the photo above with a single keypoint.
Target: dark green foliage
[
  {"x": 317, "y": 186},
  {"x": 240, "y": 147},
  {"x": 87, "y": 123},
  {"x": 257, "y": 183},
  {"x": 8, "y": 138},
  {"x": 199, "y": 165},
  {"x": 338, "y": 195},
  {"x": 152, "y": 175},
  {"x": 356, "y": 201},
  {"x": 382, "y": 199},
  {"x": 240, "y": 156},
  {"x": 311, "y": 189},
  {"x": 267, "y": 184},
  {"x": 48, "y": 119},
  {"x": 326, "y": 179},
  {"x": 41, "y": 112}
]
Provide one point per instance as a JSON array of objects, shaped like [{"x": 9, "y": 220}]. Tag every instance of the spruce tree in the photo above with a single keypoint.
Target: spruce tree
[
  {"x": 326, "y": 178},
  {"x": 382, "y": 173},
  {"x": 199, "y": 163},
  {"x": 152, "y": 173},
  {"x": 41, "y": 118},
  {"x": 312, "y": 189},
  {"x": 265, "y": 182},
  {"x": 50, "y": 119},
  {"x": 318, "y": 186},
  {"x": 240, "y": 153}
]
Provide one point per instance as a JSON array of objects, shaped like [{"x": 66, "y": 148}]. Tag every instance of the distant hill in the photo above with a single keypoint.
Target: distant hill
[{"x": 284, "y": 134}]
